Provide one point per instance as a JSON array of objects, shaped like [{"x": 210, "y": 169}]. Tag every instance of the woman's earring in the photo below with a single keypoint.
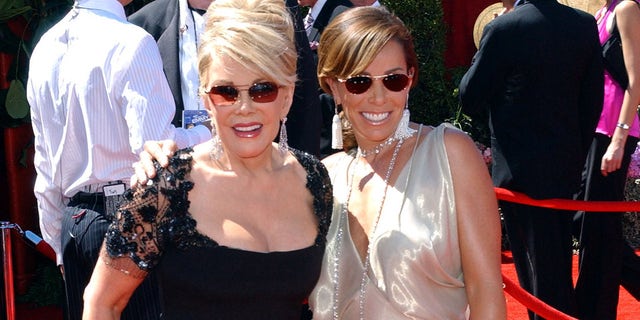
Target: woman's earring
[
  {"x": 216, "y": 145},
  {"x": 282, "y": 143},
  {"x": 336, "y": 131},
  {"x": 403, "y": 131}
]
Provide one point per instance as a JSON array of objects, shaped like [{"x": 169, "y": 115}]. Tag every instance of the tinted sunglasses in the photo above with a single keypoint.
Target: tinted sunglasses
[
  {"x": 261, "y": 92},
  {"x": 360, "y": 84}
]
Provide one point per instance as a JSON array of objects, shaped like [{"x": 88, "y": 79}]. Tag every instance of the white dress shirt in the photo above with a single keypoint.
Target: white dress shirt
[
  {"x": 314, "y": 11},
  {"x": 191, "y": 27},
  {"x": 97, "y": 92}
]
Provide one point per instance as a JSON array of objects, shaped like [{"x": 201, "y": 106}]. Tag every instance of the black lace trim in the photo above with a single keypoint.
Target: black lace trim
[{"x": 158, "y": 213}]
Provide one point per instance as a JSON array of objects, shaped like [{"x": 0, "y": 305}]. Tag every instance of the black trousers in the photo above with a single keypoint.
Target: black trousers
[
  {"x": 83, "y": 231},
  {"x": 540, "y": 240},
  {"x": 601, "y": 239}
]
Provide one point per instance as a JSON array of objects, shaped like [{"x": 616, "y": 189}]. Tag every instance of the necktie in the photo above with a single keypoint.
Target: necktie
[{"x": 308, "y": 23}]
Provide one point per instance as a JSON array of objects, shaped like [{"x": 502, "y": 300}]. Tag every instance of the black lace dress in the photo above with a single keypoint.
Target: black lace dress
[{"x": 200, "y": 279}]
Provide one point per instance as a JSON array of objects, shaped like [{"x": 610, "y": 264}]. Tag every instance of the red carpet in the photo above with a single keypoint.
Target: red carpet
[{"x": 628, "y": 307}]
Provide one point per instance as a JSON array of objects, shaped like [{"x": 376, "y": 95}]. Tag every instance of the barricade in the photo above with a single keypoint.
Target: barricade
[
  {"x": 525, "y": 298},
  {"x": 522, "y": 296},
  {"x": 7, "y": 260}
]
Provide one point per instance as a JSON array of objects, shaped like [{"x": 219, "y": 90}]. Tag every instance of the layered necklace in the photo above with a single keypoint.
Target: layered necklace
[{"x": 345, "y": 213}]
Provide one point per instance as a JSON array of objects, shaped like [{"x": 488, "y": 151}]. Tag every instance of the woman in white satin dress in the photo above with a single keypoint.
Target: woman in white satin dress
[{"x": 415, "y": 232}]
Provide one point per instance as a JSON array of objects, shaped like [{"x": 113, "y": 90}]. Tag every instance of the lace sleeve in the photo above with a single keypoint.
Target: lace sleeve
[
  {"x": 319, "y": 184},
  {"x": 136, "y": 238}
]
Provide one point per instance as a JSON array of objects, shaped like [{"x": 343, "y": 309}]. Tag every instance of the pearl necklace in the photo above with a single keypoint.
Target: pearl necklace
[
  {"x": 377, "y": 149},
  {"x": 340, "y": 233}
]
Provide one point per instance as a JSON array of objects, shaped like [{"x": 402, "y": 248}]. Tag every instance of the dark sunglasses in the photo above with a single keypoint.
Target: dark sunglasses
[
  {"x": 262, "y": 92},
  {"x": 360, "y": 84}
]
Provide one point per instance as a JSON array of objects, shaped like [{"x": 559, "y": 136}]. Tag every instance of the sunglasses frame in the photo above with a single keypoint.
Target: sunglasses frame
[
  {"x": 373, "y": 78},
  {"x": 253, "y": 96}
]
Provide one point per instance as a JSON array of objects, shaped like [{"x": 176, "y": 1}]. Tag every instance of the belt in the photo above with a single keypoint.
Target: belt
[
  {"x": 92, "y": 201},
  {"x": 97, "y": 187}
]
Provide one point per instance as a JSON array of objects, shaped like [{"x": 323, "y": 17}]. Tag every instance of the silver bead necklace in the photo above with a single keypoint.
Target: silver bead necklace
[
  {"x": 340, "y": 233},
  {"x": 377, "y": 149}
]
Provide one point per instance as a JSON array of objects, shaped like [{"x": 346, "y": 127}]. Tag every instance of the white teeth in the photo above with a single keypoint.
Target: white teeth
[
  {"x": 246, "y": 129},
  {"x": 375, "y": 117}
]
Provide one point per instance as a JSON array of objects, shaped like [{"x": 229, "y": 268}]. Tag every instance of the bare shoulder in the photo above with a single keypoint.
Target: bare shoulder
[
  {"x": 456, "y": 140},
  {"x": 462, "y": 152},
  {"x": 627, "y": 10}
]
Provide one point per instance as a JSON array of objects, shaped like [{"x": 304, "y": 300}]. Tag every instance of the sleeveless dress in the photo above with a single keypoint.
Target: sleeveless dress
[
  {"x": 613, "y": 92},
  {"x": 416, "y": 269},
  {"x": 200, "y": 279}
]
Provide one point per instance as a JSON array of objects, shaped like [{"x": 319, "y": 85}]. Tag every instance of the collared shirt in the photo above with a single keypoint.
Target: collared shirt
[
  {"x": 315, "y": 10},
  {"x": 191, "y": 26},
  {"x": 97, "y": 92}
]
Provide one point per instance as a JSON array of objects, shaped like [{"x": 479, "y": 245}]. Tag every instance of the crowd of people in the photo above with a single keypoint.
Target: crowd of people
[{"x": 264, "y": 163}]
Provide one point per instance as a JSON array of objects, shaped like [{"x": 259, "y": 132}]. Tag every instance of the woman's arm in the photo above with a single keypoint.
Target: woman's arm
[
  {"x": 478, "y": 227},
  {"x": 627, "y": 15},
  {"x": 108, "y": 291}
]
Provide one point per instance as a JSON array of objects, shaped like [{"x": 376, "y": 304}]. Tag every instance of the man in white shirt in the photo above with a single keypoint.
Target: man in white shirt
[
  {"x": 320, "y": 13},
  {"x": 176, "y": 26},
  {"x": 97, "y": 93}
]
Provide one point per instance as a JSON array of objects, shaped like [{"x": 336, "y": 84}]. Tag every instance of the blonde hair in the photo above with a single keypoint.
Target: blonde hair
[
  {"x": 258, "y": 34},
  {"x": 354, "y": 38}
]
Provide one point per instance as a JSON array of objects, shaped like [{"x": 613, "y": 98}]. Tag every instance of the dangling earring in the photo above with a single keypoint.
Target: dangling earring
[
  {"x": 403, "y": 131},
  {"x": 216, "y": 145},
  {"x": 336, "y": 131},
  {"x": 282, "y": 143}
]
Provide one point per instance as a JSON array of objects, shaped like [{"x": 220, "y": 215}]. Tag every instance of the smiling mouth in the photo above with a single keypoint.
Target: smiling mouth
[
  {"x": 376, "y": 117},
  {"x": 248, "y": 128}
]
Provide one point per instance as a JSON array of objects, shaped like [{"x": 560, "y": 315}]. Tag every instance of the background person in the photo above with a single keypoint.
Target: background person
[
  {"x": 96, "y": 93},
  {"x": 539, "y": 73},
  {"x": 601, "y": 241},
  {"x": 177, "y": 27}
]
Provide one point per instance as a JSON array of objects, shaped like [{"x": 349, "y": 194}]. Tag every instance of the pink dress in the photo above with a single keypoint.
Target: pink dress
[{"x": 613, "y": 92}]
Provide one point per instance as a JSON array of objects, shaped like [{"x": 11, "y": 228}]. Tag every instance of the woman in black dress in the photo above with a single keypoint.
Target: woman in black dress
[{"x": 234, "y": 228}]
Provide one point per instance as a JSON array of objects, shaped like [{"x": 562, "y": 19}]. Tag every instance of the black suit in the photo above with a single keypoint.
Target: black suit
[
  {"x": 539, "y": 73},
  {"x": 330, "y": 10},
  {"x": 161, "y": 19}
]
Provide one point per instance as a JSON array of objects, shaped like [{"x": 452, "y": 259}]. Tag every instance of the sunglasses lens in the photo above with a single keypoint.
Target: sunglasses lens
[
  {"x": 223, "y": 95},
  {"x": 263, "y": 92},
  {"x": 395, "y": 82},
  {"x": 358, "y": 85}
]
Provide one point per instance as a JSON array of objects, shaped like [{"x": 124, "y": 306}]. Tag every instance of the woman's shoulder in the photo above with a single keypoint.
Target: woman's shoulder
[
  {"x": 452, "y": 138},
  {"x": 628, "y": 7}
]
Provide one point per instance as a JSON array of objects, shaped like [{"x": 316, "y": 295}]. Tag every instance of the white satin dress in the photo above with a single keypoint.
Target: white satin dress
[{"x": 416, "y": 270}]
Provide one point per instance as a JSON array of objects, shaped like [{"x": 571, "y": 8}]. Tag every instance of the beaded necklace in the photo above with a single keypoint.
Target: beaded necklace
[
  {"x": 340, "y": 233},
  {"x": 378, "y": 148}
]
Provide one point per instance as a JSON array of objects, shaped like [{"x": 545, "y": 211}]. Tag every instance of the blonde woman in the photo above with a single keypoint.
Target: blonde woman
[{"x": 234, "y": 228}]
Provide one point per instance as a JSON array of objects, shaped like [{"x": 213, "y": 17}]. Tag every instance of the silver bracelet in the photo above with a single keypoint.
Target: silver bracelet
[{"x": 622, "y": 125}]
